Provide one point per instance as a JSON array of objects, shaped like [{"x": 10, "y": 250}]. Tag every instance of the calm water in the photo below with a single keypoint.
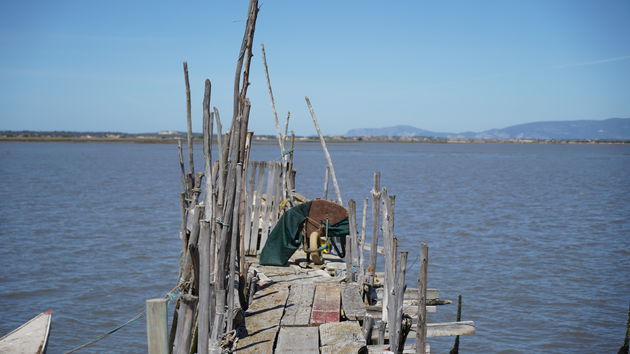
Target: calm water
[{"x": 535, "y": 237}]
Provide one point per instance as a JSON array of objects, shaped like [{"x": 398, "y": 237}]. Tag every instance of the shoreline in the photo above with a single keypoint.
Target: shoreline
[{"x": 333, "y": 139}]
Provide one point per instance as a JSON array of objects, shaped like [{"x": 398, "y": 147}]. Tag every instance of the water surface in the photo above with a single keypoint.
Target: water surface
[{"x": 535, "y": 237}]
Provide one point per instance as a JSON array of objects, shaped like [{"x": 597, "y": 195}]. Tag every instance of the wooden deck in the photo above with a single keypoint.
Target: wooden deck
[{"x": 298, "y": 309}]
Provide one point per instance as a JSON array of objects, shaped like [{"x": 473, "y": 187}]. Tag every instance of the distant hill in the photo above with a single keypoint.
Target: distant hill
[{"x": 608, "y": 129}]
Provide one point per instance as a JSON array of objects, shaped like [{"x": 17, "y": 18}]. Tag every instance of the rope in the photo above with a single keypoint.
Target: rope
[
  {"x": 170, "y": 296},
  {"x": 290, "y": 151},
  {"x": 220, "y": 222}
]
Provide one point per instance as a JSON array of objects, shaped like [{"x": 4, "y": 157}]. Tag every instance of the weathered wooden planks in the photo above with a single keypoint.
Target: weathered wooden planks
[
  {"x": 341, "y": 337},
  {"x": 352, "y": 302},
  {"x": 326, "y": 303},
  {"x": 446, "y": 329},
  {"x": 262, "y": 319},
  {"x": 298, "y": 309},
  {"x": 304, "y": 340}
]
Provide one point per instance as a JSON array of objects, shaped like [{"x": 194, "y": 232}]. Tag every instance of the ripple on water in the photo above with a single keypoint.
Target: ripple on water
[{"x": 532, "y": 236}]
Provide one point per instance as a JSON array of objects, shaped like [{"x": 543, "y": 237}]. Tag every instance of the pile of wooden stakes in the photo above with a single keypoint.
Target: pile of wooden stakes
[
  {"x": 393, "y": 319},
  {"x": 212, "y": 281}
]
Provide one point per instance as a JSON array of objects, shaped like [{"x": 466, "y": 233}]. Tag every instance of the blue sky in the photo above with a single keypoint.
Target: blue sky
[{"x": 443, "y": 65}]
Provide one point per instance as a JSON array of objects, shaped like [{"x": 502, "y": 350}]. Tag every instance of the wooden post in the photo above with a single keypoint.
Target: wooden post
[
  {"x": 626, "y": 340},
  {"x": 185, "y": 323},
  {"x": 325, "y": 194},
  {"x": 388, "y": 243},
  {"x": 207, "y": 150},
  {"x": 204, "y": 287},
  {"x": 292, "y": 149},
  {"x": 273, "y": 103},
  {"x": 455, "y": 349},
  {"x": 352, "y": 249},
  {"x": 381, "y": 331},
  {"x": 191, "y": 164},
  {"x": 361, "y": 243},
  {"x": 421, "y": 331},
  {"x": 400, "y": 294},
  {"x": 157, "y": 329},
  {"x": 234, "y": 252},
  {"x": 328, "y": 158},
  {"x": 376, "y": 195},
  {"x": 182, "y": 168},
  {"x": 249, "y": 206},
  {"x": 368, "y": 325},
  {"x": 286, "y": 131}
]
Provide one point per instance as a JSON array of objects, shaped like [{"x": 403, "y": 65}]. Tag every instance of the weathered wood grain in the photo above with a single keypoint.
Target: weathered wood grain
[
  {"x": 191, "y": 164},
  {"x": 185, "y": 319},
  {"x": 249, "y": 206},
  {"x": 447, "y": 329},
  {"x": 299, "y": 304},
  {"x": 257, "y": 207},
  {"x": 376, "y": 195},
  {"x": 352, "y": 301},
  {"x": 303, "y": 340},
  {"x": 341, "y": 337},
  {"x": 157, "y": 327},
  {"x": 262, "y": 319},
  {"x": 326, "y": 303}
]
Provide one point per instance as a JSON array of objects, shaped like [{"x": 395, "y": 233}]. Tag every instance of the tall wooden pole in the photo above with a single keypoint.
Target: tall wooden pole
[
  {"x": 207, "y": 149},
  {"x": 273, "y": 104},
  {"x": 421, "y": 330},
  {"x": 328, "y": 158},
  {"x": 191, "y": 164},
  {"x": 376, "y": 196}
]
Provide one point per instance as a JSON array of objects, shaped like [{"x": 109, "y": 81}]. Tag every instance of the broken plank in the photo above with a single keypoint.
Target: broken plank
[
  {"x": 303, "y": 340},
  {"x": 352, "y": 301},
  {"x": 262, "y": 319},
  {"x": 445, "y": 329},
  {"x": 298, "y": 309},
  {"x": 341, "y": 337},
  {"x": 441, "y": 329},
  {"x": 326, "y": 303}
]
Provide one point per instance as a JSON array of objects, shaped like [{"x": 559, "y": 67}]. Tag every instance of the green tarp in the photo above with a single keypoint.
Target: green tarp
[{"x": 285, "y": 238}]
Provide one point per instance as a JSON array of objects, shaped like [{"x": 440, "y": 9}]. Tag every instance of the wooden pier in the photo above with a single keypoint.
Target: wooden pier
[{"x": 313, "y": 301}]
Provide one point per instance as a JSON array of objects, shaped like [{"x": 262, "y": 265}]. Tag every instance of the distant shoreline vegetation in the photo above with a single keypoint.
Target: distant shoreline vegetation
[{"x": 171, "y": 137}]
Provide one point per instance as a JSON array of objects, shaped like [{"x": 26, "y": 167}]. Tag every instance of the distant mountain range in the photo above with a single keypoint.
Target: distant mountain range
[{"x": 608, "y": 129}]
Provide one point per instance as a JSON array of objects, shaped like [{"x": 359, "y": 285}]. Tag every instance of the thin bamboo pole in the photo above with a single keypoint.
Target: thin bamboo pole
[{"x": 328, "y": 158}]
